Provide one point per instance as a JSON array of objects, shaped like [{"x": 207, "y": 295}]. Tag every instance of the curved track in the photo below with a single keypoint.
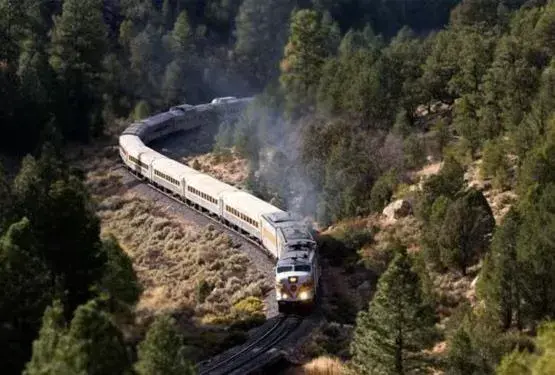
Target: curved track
[
  {"x": 256, "y": 352},
  {"x": 267, "y": 343}
]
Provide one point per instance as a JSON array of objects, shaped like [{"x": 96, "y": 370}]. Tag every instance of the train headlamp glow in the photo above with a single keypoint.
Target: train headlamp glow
[
  {"x": 304, "y": 295},
  {"x": 292, "y": 279},
  {"x": 282, "y": 295}
]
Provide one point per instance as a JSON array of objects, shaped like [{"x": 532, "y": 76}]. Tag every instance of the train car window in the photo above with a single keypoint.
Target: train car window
[
  {"x": 284, "y": 269},
  {"x": 302, "y": 268}
]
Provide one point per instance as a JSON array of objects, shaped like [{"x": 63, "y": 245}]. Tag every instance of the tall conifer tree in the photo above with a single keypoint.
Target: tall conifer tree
[{"x": 390, "y": 336}]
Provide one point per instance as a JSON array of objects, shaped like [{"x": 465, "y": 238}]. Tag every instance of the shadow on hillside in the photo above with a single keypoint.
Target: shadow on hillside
[{"x": 184, "y": 144}]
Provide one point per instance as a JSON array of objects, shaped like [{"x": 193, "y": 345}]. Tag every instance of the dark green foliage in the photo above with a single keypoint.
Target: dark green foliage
[
  {"x": 163, "y": 351},
  {"x": 501, "y": 278},
  {"x": 538, "y": 361},
  {"x": 28, "y": 287},
  {"x": 92, "y": 344},
  {"x": 78, "y": 47},
  {"x": 119, "y": 279},
  {"x": 535, "y": 253},
  {"x": 45, "y": 346},
  {"x": 414, "y": 151},
  {"x": 6, "y": 202},
  {"x": 390, "y": 336},
  {"x": 203, "y": 290},
  {"x": 54, "y": 252},
  {"x": 495, "y": 164},
  {"x": 476, "y": 346},
  {"x": 141, "y": 111},
  {"x": 382, "y": 191},
  {"x": 466, "y": 231},
  {"x": 312, "y": 38},
  {"x": 261, "y": 34},
  {"x": 448, "y": 182},
  {"x": 460, "y": 359},
  {"x": 433, "y": 230}
]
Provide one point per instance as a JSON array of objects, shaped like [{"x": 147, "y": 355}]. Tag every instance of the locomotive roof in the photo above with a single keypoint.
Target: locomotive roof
[{"x": 295, "y": 258}]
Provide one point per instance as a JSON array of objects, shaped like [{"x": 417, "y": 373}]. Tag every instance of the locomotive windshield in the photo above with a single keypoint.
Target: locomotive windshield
[
  {"x": 284, "y": 269},
  {"x": 302, "y": 268}
]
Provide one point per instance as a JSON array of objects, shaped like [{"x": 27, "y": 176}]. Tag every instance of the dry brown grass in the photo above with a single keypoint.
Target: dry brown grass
[
  {"x": 321, "y": 366},
  {"x": 499, "y": 200},
  {"x": 227, "y": 166},
  {"x": 171, "y": 257}
]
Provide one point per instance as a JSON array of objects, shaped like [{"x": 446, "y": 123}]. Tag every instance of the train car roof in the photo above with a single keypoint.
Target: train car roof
[
  {"x": 158, "y": 118},
  {"x": 135, "y": 128},
  {"x": 131, "y": 143},
  {"x": 202, "y": 107},
  {"x": 181, "y": 107},
  {"x": 223, "y": 99},
  {"x": 209, "y": 185},
  {"x": 148, "y": 156},
  {"x": 249, "y": 204},
  {"x": 174, "y": 168}
]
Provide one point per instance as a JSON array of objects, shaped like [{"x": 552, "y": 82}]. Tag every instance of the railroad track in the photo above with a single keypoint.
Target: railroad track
[
  {"x": 268, "y": 343},
  {"x": 256, "y": 353},
  {"x": 192, "y": 207}
]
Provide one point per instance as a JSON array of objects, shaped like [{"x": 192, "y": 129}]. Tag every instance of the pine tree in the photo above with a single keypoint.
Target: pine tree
[
  {"x": 14, "y": 24},
  {"x": 92, "y": 344},
  {"x": 466, "y": 230},
  {"x": 460, "y": 355},
  {"x": 79, "y": 42},
  {"x": 162, "y": 352},
  {"x": 181, "y": 36},
  {"x": 119, "y": 279},
  {"x": 147, "y": 60},
  {"x": 312, "y": 38},
  {"x": 259, "y": 22},
  {"x": 501, "y": 277},
  {"x": 390, "y": 336},
  {"x": 45, "y": 346},
  {"x": 64, "y": 224},
  {"x": 440, "y": 66},
  {"x": 27, "y": 288},
  {"x": 539, "y": 362},
  {"x": 535, "y": 253}
]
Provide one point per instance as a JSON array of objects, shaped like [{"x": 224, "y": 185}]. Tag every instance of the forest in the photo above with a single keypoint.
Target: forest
[{"x": 351, "y": 98}]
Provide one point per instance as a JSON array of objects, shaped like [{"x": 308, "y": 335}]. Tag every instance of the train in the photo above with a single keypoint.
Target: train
[{"x": 280, "y": 233}]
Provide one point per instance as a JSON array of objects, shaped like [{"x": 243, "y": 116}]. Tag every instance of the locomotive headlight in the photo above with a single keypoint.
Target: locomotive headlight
[{"x": 304, "y": 295}]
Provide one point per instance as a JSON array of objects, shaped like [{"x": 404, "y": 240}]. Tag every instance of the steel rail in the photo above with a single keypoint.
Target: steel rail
[
  {"x": 203, "y": 213},
  {"x": 277, "y": 324},
  {"x": 242, "y": 366},
  {"x": 270, "y": 335}
]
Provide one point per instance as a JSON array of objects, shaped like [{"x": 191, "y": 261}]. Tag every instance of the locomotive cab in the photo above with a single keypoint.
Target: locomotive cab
[{"x": 296, "y": 282}]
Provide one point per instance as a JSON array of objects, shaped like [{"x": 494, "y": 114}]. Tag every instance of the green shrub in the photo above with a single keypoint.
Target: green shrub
[
  {"x": 415, "y": 152},
  {"x": 141, "y": 111},
  {"x": 203, "y": 290},
  {"x": 495, "y": 164},
  {"x": 382, "y": 191},
  {"x": 249, "y": 306}
]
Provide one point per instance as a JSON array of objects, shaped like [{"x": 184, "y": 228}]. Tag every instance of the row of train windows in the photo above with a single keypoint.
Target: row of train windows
[
  {"x": 241, "y": 216},
  {"x": 167, "y": 178},
  {"x": 202, "y": 195},
  {"x": 138, "y": 162}
]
